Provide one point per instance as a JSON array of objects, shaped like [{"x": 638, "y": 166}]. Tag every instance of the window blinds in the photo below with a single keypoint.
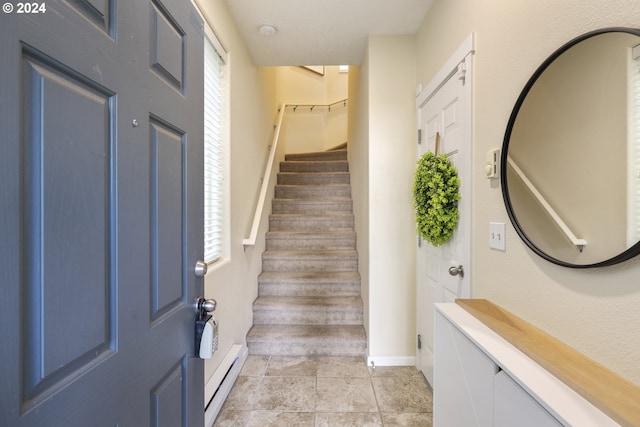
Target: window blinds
[{"x": 214, "y": 134}]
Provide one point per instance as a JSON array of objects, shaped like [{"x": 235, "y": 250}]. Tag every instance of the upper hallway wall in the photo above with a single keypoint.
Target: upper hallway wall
[{"x": 316, "y": 130}]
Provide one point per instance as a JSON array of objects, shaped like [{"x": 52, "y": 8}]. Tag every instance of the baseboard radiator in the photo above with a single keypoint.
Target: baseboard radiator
[{"x": 220, "y": 383}]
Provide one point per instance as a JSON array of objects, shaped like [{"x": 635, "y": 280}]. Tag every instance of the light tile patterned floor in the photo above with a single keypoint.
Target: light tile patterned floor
[{"x": 326, "y": 391}]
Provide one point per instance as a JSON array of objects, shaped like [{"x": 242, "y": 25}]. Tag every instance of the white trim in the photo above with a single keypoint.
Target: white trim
[
  {"x": 216, "y": 42},
  {"x": 391, "y": 361},
  {"x": 215, "y": 389},
  {"x": 449, "y": 68},
  {"x": 211, "y": 34}
]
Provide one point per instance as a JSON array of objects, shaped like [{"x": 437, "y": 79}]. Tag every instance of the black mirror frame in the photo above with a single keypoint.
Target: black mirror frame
[{"x": 627, "y": 254}]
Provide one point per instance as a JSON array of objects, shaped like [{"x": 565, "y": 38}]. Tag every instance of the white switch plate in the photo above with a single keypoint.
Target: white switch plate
[{"x": 497, "y": 236}]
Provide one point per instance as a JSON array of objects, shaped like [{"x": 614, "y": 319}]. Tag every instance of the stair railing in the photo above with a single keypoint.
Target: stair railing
[
  {"x": 251, "y": 240},
  {"x": 266, "y": 177},
  {"x": 577, "y": 242},
  {"x": 311, "y": 107}
]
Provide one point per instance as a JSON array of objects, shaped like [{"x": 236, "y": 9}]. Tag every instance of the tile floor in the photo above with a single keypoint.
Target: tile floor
[{"x": 326, "y": 391}]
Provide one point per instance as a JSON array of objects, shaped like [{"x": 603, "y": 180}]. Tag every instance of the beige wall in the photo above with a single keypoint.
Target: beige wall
[
  {"x": 312, "y": 130},
  {"x": 358, "y": 132},
  {"x": 233, "y": 282},
  {"x": 594, "y": 311},
  {"x": 383, "y": 152},
  {"x": 297, "y": 85}
]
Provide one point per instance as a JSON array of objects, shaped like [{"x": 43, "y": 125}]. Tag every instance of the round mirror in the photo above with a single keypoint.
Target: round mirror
[{"x": 570, "y": 163}]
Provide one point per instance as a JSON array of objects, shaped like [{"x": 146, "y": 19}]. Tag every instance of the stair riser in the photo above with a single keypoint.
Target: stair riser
[
  {"x": 310, "y": 244},
  {"x": 300, "y": 207},
  {"x": 309, "y": 265},
  {"x": 309, "y": 290},
  {"x": 310, "y": 225},
  {"x": 313, "y": 178},
  {"x": 313, "y": 157},
  {"x": 320, "y": 348},
  {"x": 307, "y": 317},
  {"x": 309, "y": 340},
  {"x": 309, "y": 192},
  {"x": 339, "y": 166}
]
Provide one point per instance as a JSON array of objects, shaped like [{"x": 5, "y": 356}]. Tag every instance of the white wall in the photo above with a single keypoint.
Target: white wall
[
  {"x": 594, "y": 311},
  {"x": 233, "y": 282},
  {"x": 383, "y": 155}
]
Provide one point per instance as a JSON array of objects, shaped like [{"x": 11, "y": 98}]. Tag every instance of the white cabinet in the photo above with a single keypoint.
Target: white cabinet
[
  {"x": 515, "y": 407},
  {"x": 464, "y": 371},
  {"x": 481, "y": 380}
]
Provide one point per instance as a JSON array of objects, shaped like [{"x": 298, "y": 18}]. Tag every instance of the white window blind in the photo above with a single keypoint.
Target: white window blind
[{"x": 214, "y": 145}]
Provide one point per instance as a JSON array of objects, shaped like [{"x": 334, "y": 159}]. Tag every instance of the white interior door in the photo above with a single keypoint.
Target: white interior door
[{"x": 445, "y": 115}]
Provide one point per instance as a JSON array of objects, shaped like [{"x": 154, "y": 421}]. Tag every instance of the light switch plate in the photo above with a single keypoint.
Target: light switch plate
[{"x": 497, "y": 236}]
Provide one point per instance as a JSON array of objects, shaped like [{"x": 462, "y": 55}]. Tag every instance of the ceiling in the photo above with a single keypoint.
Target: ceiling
[{"x": 322, "y": 32}]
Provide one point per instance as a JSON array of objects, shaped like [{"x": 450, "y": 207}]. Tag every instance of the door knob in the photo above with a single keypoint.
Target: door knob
[
  {"x": 200, "y": 268},
  {"x": 206, "y": 305},
  {"x": 456, "y": 271}
]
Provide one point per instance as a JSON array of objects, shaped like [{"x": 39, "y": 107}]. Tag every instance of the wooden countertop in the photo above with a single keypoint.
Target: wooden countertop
[{"x": 609, "y": 392}]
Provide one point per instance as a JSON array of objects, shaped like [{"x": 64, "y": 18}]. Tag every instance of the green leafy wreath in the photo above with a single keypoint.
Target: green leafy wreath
[{"x": 435, "y": 196}]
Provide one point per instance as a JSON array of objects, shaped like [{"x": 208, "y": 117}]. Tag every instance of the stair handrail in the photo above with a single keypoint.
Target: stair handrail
[
  {"x": 257, "y": 216},
  {"x": 313, "y": 106},
  {"x": 577, "y": 242}
]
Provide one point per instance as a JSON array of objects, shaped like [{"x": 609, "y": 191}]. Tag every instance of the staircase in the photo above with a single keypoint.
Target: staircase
[{"x": 309, "y": 289}]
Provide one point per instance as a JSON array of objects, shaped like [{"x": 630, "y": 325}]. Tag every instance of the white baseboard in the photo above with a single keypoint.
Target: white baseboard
[
  {"x": 220, "y": 383},
  {"x": 391, "y": 361}
]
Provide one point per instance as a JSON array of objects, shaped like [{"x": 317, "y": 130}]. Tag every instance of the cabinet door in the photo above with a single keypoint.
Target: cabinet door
[
  {"x": 515, "y": 407},
  {"x": 463, "y": 379}
]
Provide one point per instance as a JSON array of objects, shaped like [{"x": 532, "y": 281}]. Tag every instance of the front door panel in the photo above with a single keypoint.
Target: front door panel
[
  {"x": 101, "y": 214},
  {"x": 67, "y": 216}
]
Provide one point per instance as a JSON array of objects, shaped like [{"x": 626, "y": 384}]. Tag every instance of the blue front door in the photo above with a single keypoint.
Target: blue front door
[{"x": 100, "y": 213}]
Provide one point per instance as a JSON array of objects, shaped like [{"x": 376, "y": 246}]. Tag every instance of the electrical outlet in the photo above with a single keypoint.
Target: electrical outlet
[{"x": 497, "y": 236}]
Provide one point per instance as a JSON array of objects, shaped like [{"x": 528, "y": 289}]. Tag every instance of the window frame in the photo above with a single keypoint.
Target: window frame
[{"x": 223, "y": 248}]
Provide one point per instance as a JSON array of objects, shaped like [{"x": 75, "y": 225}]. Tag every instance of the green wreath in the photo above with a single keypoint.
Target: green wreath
[{"x": 435, "y": 196}]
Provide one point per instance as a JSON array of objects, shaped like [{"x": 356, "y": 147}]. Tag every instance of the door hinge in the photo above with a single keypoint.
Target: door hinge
[
  {"x": 419, "y": 136},
  {"x": 419, "y": 341}
]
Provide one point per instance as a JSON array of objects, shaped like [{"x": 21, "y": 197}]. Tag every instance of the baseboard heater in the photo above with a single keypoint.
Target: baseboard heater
[{"x": 220, "y": 383}]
